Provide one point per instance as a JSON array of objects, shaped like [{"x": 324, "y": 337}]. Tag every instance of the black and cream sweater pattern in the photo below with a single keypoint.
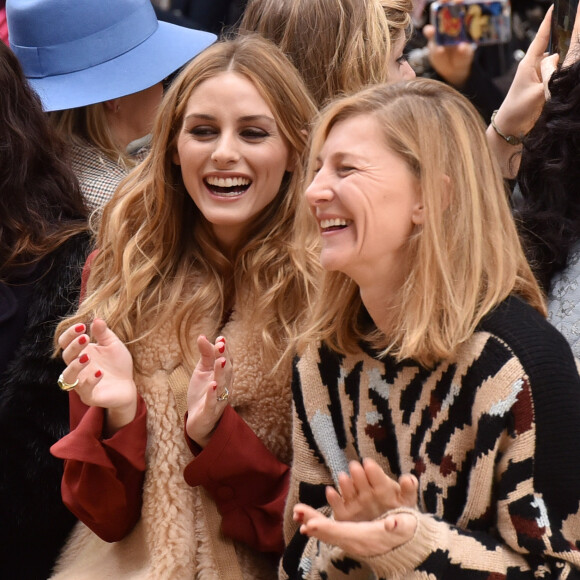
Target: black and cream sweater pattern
[{"x": 492, "y": 435}]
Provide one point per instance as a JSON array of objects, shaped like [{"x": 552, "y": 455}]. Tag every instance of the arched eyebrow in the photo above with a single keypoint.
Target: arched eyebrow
[{"x": 244, "y": 119}]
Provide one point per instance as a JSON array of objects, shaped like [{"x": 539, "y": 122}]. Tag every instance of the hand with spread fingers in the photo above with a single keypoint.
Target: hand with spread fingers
[
  {"x": 365, "y": 495},
  {"x": 369, "y": 492},
  {"x": 369, "y": 538},
  {"x": 524, "y": 101},
  {"x": 208, "y": 389},
  {"x": 100, "y": 369}
]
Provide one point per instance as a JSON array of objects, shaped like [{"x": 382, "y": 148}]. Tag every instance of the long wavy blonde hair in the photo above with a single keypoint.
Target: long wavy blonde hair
[
  {"x": 464, "y": 260},
  {"x": 158, "y": 258},
  {"x": 339, "y": 46}
]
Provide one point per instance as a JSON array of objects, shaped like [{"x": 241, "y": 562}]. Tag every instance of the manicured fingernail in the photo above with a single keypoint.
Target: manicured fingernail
[
  {"x": 83, "y": 358},
  {"x": 215, "y": 387},
  {"x": 98, "y": 374},
  {"x": 223, "y": 364},
  {"x": 82, "y": 340},
  {"x": 79, "y": 327},
  {"x": 222, "y": 348}
]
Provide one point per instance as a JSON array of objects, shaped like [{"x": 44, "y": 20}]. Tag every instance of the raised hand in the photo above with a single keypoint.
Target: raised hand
[
  {"x": 369, "y": 492},
  {"x": 209, "y": 389},
  {"x": 369, "y": 538},
  {"x": 104, "y": 369},
  {"x": 453, "y": 63}
]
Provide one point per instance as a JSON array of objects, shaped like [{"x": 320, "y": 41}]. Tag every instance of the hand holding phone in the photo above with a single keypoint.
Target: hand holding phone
[
  {"x": 563, "y": 19},
  {"x": 484, "y": 22}
]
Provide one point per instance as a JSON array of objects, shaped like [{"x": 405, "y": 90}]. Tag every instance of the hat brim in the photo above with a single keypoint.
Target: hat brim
[{"x": 164, "y": 52}]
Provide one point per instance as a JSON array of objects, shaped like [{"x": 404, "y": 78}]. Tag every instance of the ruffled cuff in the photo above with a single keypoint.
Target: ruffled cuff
[{"x": 84, "y": 443}]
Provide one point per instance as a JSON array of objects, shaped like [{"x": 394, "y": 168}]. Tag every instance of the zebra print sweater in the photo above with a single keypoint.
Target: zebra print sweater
[{"x": 492, "y": 435}]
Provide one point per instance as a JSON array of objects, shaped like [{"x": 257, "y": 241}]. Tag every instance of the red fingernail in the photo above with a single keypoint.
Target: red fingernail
[
  {"x": 215, "y": 387},
  {"x": 79, "y": 327},
  {"x": 82, "y": 340},
  {"x": 222, "y": 348},
  {"x": 98, "y": 374},
  {"x": 83, "y": 358},
  {"x": 223, "y": 364}
]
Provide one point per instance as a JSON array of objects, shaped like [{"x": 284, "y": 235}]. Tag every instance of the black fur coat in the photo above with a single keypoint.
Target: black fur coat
[{"x": 34, "y": 523}]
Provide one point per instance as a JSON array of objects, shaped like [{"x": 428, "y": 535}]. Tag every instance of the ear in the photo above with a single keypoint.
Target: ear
[
  {"x": 112, "y": 106},
  {"x": 175, "y": 157},
  {"x": 418, "y": 211}
]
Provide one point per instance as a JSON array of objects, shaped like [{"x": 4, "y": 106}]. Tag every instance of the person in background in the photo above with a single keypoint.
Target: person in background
[
  {"x": 44, "y": 242},
  {"x": 482, "y": 73},
  {"x": 98, "y": 68},
  {"x": 198, "y": 266},
  {"x": 216, "y": 16},
  {"x": 341, "y": 46},
  {"x": 437, "y": 412},
  {"x": 338, "y": 46},
  {"x": 547, "y": 206}
]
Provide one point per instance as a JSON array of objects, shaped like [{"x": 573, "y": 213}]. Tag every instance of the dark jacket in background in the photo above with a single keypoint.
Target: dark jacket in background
[{"x": 34, "y": 523}]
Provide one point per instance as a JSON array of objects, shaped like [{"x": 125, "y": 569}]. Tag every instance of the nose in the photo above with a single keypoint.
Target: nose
[
  {"x": 225, "y": 153},
  {"x": 408, "y": 72},
  {"x": 319, "y": 191}
]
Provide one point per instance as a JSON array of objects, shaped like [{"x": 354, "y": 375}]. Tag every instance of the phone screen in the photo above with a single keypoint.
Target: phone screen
[
  {"x": 475, "y": 22},
  {"x": 562, "y": 25}
]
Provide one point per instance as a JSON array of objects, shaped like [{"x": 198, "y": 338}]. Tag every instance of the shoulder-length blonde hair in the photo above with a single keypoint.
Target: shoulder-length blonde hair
[
  {"x": 159, "y": 259},
  {"x": 464, "y": 259},
  {"x": 339, "y": 46},
  {"x": 89, "y": 124}
]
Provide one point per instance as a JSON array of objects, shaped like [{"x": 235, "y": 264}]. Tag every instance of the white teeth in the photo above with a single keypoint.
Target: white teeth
[
  {"x": 228, "y": 181},
  {"x": 332, "y": 223}
]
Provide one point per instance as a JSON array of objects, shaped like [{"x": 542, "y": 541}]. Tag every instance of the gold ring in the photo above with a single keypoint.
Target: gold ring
[
  {"x": 66, "y": 386},
  {"x": 224, "y": 396}
]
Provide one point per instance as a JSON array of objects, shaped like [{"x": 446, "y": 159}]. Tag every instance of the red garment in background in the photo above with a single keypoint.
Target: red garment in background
[{"x": 3, "y": 27}]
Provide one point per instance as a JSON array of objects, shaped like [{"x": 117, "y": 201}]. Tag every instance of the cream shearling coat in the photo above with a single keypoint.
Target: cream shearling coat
[{"x": 171, "y": 542}]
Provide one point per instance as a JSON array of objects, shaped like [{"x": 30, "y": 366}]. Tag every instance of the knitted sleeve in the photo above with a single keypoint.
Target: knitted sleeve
[{"x": 531, "y": 528}]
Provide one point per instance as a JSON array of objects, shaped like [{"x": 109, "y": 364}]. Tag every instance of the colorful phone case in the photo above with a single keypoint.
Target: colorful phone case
[{"x": 474, "y": 22}]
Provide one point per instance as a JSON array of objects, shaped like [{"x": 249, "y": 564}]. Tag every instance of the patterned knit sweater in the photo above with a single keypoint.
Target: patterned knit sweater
[{"x": 493, "y": 436}]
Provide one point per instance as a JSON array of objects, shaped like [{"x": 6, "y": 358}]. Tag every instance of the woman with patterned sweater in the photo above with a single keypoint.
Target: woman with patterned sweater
[{"x": 428, "y": 371}]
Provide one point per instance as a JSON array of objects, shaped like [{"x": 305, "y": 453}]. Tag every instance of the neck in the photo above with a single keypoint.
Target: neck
[{"x": 381, "y": 302}]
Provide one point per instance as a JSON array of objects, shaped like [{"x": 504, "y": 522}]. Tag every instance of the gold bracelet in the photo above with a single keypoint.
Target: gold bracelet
[{"x": 511, "y": 139}]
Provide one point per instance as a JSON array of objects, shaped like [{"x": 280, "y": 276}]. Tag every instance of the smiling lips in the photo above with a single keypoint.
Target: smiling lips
[
  {"x": 228, "y": 186},
  {"x": 330, "y": 225}
]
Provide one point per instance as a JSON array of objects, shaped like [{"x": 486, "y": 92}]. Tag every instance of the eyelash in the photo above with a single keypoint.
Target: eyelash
[
  {"x": 401, "y": 60},
  {"x": 208, "y": 132}
]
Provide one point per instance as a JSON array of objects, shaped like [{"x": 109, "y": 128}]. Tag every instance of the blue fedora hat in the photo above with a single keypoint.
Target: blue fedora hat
[{"x": 80, "y": 52}]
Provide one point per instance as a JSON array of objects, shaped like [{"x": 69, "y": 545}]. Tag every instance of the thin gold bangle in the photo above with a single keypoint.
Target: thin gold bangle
[{"x": 511, "y": 139}]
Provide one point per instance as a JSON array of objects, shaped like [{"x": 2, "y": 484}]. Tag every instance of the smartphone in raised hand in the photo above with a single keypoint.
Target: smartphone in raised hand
[
  {"x": 563, "y": 18},
  {"x": 484, "y": 22}
]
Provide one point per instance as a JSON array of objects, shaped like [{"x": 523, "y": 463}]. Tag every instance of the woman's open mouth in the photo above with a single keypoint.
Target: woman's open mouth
[
  {"x": 331, "y": 225},
  {"x": 227, "y": 186}
]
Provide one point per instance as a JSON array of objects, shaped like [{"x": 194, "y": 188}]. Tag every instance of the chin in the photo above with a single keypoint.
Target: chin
[{"x": 331, "y": 263}]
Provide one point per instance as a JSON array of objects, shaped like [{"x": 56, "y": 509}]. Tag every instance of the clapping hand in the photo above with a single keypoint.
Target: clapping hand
[
  {"x": 365, "y": 495},
  {"x": 208, "y": 390},
  {"x": 369, "y": 492},
  {"x": 103, "y": 367}
]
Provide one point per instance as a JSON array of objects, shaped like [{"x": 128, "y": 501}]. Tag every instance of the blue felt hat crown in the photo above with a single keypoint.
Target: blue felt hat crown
[{"x": 80, "y": 52}]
